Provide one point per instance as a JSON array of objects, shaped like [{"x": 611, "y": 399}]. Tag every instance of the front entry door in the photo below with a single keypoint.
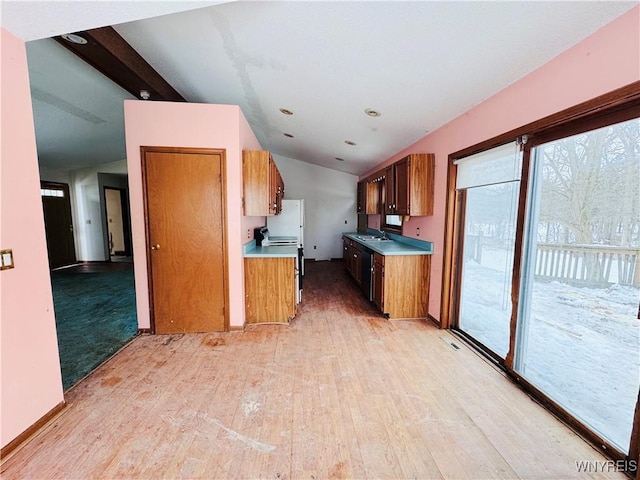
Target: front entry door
[
  {"x": 58, "y": 224},
  {"x": 185, "y": 239}
]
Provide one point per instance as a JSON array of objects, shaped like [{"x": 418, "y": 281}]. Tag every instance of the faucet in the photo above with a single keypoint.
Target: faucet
[{"x": 383, "y": 234}]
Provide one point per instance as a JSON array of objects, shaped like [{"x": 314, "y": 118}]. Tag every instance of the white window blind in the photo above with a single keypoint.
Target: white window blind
[{"x": 498, "y": 165}]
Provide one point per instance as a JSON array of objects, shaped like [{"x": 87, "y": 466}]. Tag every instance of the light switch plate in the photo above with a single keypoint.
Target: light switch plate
[{"x": 6, "y": 259}]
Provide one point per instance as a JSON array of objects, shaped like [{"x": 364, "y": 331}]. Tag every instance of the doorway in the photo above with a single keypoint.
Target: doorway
[
  {"x": 118, "y": 223},
  {"x": 58, "y": 223},
  {"x": 186, "y": 241}
]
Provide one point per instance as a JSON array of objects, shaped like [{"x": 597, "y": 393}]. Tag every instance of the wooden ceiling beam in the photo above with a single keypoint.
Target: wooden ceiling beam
[{"x": 110, "y": 54}]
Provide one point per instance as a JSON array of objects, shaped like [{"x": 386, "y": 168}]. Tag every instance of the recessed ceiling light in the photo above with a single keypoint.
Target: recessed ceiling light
[
  {"x": 288, "y": 135},
  {"x": 349, "y": 142},
  {"x": 286, "y": 111},
  {"x": 372, "y": 113},
  {"x": 73, "y": 38},
  {"x": 340, "y": 159}
]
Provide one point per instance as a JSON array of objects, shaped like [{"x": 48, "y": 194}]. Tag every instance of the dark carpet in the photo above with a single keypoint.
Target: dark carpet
[{"x": 95, "y": 316}]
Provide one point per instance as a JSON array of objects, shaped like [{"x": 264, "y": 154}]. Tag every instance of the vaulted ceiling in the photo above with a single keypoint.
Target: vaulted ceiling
[{"x": 419, "y": 64}]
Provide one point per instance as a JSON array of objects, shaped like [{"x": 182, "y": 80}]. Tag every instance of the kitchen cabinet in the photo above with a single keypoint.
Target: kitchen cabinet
[
  {"x": 352, "y": 256},
  {"x": 401, "y": 285},
  {"x": 361, "y": 197},
  {"x": 378, "y": 281},
  {"x": 409, "y": 185},
  {"x": 270, "y": 289},
  {"x": 373, "y": 205},
  {"x": 390, "y": 189},
  {"x": 263, "y": 187},
  {"x": 368, "y": 197}
]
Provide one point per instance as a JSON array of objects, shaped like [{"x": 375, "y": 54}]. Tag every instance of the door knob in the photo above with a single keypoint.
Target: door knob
[{"x": 155, "y": 246}]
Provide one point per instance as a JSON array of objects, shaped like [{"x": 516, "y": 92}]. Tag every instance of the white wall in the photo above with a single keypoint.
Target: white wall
[
  {"x": 330, "y": 204},
  {"x": 89, "y": 235}
]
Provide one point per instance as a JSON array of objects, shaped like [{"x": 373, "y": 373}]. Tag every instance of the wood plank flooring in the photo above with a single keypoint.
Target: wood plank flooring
[{"x": 340, "y": 393}]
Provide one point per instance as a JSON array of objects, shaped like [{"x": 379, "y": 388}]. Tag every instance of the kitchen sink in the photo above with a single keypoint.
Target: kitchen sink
[{"x": 372, "y": 238}]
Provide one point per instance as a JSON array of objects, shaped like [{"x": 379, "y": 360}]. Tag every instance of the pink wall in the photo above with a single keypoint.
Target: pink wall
[
  {"x": 608, "y": 59},
  {"x": 31, "y": 382},
  {"x": 189, "y": 125}
]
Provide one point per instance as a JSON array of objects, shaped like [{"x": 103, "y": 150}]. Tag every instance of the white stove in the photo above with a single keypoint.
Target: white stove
[{"x": 283, "y": 241}]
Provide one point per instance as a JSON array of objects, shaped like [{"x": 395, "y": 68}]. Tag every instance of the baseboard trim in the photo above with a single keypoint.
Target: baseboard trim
[
  {"x": 30, "y": 432},
  {"x": 142, "y": 331},
  {"x": 434, "y": 320},
  {"x": 236, "y": 328}
]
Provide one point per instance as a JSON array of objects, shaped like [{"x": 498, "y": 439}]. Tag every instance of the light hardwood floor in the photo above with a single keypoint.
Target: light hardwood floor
[{"x": 340, "y": 393}]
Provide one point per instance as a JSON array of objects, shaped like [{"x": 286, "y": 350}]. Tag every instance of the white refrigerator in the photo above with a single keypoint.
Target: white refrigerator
[{"x": 289, "y": 223}]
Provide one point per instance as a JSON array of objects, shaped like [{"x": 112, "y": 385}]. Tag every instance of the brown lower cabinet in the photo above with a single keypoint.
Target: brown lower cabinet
[
  {"x": 401, "y": 285},
  {"x": 270, "y": 289}
]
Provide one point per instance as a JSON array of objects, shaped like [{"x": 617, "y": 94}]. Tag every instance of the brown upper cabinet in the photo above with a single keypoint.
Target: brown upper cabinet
[
  {"x": 409, "y": 185},
  {"x": 373, "y": 197},
  {"x": 361, "y": 197},
  {"x": 262, "y": 184}
]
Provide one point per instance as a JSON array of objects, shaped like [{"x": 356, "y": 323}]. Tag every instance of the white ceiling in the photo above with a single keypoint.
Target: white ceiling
[{"x": 420, "y": 64}]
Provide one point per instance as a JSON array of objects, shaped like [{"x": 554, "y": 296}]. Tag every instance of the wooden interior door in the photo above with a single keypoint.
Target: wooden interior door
[
  {"x": 58, "y": 224},
  {"x": 185, "y": 239}
]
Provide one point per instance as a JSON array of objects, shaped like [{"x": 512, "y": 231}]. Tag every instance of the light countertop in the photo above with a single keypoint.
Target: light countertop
[
  {"x": 398, "y": 245},
  {"x": 252, "y": 251}
]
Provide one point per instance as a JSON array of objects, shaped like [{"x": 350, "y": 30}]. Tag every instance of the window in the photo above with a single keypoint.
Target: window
[
  {"x": 393, "y": 221},
  {"x": 50, "y": 192}
]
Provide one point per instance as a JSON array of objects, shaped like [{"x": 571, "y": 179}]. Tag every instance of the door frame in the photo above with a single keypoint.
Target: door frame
[{"x": 223, "y": 183}]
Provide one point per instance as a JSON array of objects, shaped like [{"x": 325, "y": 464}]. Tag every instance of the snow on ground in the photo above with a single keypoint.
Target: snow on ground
[{"x": 583, "y": 344}]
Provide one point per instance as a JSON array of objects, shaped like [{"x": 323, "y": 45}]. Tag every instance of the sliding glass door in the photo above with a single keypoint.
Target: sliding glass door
[
  {"x": 490, "y": 185},
  {"x": 579, "y": 332},
  {"x": 575, "y": 330}
]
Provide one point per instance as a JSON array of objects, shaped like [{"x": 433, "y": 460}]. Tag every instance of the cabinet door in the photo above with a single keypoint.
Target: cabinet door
[
  {"x": 256, "y": 186},
  {"x": 357, "y": 266},
  {"x": 273, "y": 187},
  {"x": 402, "y": 181},
  {"x": 270, "y": 289},
  {"x": 373, "y": 198},
  {"x": 420, "y": 181},
  {"x": 390, "y": 190},
  {"x": 361, "y": 199},
  {"x": 345, "y": 252},
  {"x": 378, "y": 283}
]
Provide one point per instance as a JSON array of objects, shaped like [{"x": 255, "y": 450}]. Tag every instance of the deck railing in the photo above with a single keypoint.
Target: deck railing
[{"x": 591, "y": 265}]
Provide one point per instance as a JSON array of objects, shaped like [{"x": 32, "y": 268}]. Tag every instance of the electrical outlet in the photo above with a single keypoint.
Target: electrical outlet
[
  {"x": 345, "y": 222},
  {"x": 248, "y": 233},
  {"x": 417, "y": 231},
  {"x": 314, "y": 247}
]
